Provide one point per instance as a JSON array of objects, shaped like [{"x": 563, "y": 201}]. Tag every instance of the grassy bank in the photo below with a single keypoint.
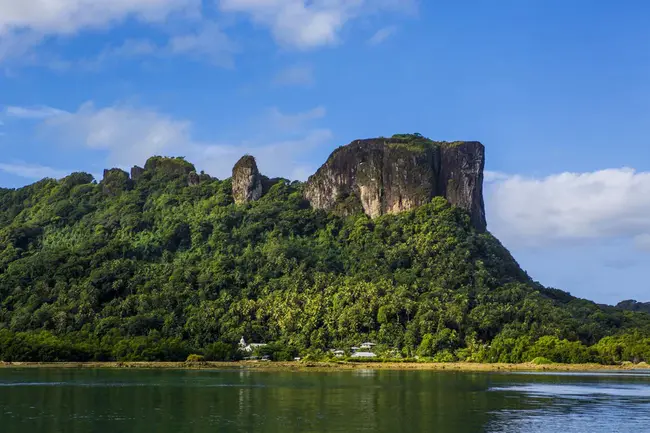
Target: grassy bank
[{"x": 333, "y": 366}]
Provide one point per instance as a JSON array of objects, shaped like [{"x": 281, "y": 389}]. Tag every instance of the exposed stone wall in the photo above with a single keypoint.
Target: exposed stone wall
[
  {"x": 136, "y": 172},
  {"x": 391, "y": 176}
]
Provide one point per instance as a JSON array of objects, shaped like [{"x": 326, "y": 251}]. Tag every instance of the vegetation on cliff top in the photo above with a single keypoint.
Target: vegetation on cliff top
[
  {"x": 417, "y": 142},
  {"x": 161, "y": 270}
]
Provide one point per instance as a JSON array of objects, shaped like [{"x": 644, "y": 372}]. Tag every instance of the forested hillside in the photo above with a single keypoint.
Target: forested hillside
[{"x": 168, "y": 265}]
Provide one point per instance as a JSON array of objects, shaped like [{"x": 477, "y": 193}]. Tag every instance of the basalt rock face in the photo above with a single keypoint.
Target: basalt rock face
[
  {"x": 136, "y": 172},
  {"x": 461, "y": 174},
  {"x": 246, "y": 181},
  {"x": 391, "y": 175}
]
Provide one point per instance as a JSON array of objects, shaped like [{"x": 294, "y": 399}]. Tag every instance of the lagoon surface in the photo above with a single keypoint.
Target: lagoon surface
[{"x": 202, "y": 401}]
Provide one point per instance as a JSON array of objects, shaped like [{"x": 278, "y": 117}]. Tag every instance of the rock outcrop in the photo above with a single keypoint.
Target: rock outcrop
[
  {"x": 169, "y": 166},
  {"x": 391, "y": 175},
  {"x": 115, "y": 181},
  {"x": 136, "y": 172},
  {"x": 246, "y": 180},
  {"x": 193, "y": 179}
]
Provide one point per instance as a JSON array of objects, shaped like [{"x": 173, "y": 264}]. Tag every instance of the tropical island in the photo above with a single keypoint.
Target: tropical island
[{"x": 386, "y": 245}]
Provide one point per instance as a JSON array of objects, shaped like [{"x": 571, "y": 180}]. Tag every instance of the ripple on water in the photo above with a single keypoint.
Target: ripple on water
[
  {"x": 581, "y": 408},
  {"x": 579, "y": 391}
]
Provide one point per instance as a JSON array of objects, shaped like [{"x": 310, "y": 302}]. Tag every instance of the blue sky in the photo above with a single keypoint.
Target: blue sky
[{"x": 559, "y": 92}]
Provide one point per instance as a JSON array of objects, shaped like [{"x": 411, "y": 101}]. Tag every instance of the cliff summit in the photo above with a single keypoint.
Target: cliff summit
[{"x": 391, "y": 175}]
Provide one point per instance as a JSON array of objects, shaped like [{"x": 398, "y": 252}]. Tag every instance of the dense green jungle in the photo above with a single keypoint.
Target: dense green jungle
[{"x": 162, "y": 268}]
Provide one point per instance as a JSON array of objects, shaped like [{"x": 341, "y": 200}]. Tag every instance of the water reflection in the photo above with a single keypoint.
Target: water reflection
[{"x": 361, "y": 401}]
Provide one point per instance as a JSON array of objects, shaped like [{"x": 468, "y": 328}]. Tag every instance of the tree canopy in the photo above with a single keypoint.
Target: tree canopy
[{"x": 156, "y": 269}]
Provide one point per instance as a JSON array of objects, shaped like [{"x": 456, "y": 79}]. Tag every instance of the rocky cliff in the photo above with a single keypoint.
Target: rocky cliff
[
  {"x": 246, "y": 180},
  {"x": 391, "y": 175}
]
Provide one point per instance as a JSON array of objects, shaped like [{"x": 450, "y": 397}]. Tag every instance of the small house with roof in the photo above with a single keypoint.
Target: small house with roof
[{"x": 249, "y": 348}]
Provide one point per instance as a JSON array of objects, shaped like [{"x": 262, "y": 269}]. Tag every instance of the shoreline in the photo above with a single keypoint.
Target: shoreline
[{"x": 331, "y": 366}]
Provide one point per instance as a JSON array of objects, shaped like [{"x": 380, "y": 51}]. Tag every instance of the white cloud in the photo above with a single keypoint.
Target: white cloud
[
  {"x": 50, "y": 17},
  {"x": 36, "y": 112},
  {"x": 207, "y": 43},
  {"x": 494, "y": 176},
  {"x": 32, "y": 171},
  {"x": 570, "y": 207},
  {"x": 275, "y": 158},
  {"x": 17, "y": 44},
  {"x": 382, "y": 35},
  {"x": 210, "y": 43},
  {"x": 308, "y": 24},
  {"x": 302, "y": 24},
  {"x": 293, "y": 122},
  {"x": 129, "y": 135},
  {"x": 297, "y": 75},
  {"x": 24, "y": 24},
  {"x": 126, "y": 133}
]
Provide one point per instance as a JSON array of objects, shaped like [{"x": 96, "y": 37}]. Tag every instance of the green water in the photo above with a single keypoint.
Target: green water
[{"x": 114, "y": 401}]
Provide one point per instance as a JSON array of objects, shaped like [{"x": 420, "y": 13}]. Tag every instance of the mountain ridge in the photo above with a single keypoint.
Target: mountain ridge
[{"x": 165, "y": 263}]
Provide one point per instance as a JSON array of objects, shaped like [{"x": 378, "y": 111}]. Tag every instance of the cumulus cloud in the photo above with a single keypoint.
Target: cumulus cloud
[
  {"x": 296, "y": 75},
  {"x": 124, "y": 132},
  {"x": 48, "y": 17},
  {"x": 382, "y": 35},
  {"x": 292, "y": 122},
  {"x": 206, "y": 43},
  {"x": 275, "y": 158},
  {"x": 35, "y": 112},
  {"x": 24, "y": 24},
  {"x": 128, "y": 135},
  {"x": 570, "y": 207},
  {"x": 307, "y": 24},
  {"x": 32, "y": 171},
  {"x": 209, "y": 42},
  {"x": 301, "y": 24}
]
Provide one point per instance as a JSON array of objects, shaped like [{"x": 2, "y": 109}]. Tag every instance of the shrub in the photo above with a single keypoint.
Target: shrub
[
  {"x": 444, "y": 356},
  {"x": 221, "y": 351},
  {"x": 194, "y": 358}
]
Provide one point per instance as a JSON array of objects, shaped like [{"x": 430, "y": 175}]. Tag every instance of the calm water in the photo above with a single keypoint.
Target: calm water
[{"x": 106, "y": 401}]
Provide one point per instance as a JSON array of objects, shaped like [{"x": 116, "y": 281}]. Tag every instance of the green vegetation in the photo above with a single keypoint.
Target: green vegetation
[
  {"x": 159, "y": 270},
  {"x": 412, "y": 142},
  {"x": 416, "y": 142},
  {"x": 194, "y": 358},
  {"x": 632, "y": 305}
]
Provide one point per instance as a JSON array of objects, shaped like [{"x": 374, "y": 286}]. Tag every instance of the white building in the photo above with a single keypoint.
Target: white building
[
  {"x": 363, "y": 355},
  {"x": 249, "y": 347},
  {"x": 368, "y": 346}
]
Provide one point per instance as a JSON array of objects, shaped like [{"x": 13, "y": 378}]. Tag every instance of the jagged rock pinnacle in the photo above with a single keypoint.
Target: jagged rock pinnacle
[{"x": 246, "y": 180}]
